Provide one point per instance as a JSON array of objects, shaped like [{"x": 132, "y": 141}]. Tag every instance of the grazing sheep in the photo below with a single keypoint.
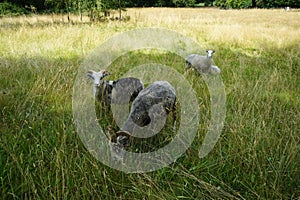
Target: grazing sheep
[
  {"x": 150, "y": 107},
  {"x": 117, "y": 142},
  {"x": 125, "y": 89},
  {"x": 203, "y": 64},
  {"x": 159, "y": 96}
]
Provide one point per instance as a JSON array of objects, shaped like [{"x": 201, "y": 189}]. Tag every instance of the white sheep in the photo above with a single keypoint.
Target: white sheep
[
  {"x": 203, "y": 64},
  {"x": 119, "y": 91},
  {"x": 150, "y": 107}
]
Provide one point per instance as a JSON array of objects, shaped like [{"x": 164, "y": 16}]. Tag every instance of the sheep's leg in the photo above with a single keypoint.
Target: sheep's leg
[{"x": 174, "y": 115}]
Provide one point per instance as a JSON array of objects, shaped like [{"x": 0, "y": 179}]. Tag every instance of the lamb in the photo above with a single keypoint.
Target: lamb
[
  {"x": 117, "y": 143},
  {"x": 203, "y": 64},
  {"x": 150, "y": 107},
  {"x": 125, "y": 89}
]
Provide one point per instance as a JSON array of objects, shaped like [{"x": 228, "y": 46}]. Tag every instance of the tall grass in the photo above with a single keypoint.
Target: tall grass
[{"x": 257, "y": 156}]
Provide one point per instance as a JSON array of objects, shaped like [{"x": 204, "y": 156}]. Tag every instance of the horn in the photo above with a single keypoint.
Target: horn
[
  {"x": 104, "y": 72},
  {"x": 113, "y": 137},
  {"x": 123, "y": 133},
  {"x": 90, "y": 73}
]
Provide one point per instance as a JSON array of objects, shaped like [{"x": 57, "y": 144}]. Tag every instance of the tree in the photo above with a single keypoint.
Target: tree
[
  {"x": 184, "y": 3},
  {"x": 10, "y": 9},
  {"x": 38, "y": 4},
  {"x": 220, "y": 3},
  {"x": 237, "y": 3},
  {"x": 61, "y": 6},
  {"x": 114, "y": 5},
  {"x": 164, "y": 3}
]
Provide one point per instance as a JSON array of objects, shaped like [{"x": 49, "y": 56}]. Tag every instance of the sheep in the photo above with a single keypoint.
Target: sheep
[
  {"x": 157, "y": 97},
  {"x": 203, "y": 64},
  {"x": 101, "y": 88},
  {"x": 117, "y": 143},
  {"x": 149, "y": 108},
  {"x": 119, "y": 91}
]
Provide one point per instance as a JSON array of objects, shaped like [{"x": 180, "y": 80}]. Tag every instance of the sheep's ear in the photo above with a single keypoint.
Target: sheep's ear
[
  {"x": 90, "y": 74},
  {"x": 104, "y": 73},
  {"x": 206, "y": 51},
  {"x": 213, "y": 51},
  {"x": 123, "y": 133}
]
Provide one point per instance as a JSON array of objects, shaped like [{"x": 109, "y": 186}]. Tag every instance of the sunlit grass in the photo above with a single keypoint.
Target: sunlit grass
[{"x": 257, "y": 156}]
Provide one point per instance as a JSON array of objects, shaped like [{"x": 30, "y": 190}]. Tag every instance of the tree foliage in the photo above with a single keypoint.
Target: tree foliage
[
  {"x": 234, "y": 3},
  {"x": 257, "y": 3},
  {"x": 11, "y": 9},
  {"x": 184, "y": 3},
  {"x": 97, "y": 8}
]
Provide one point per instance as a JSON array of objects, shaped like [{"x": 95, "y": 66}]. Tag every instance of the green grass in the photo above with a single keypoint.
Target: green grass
[{"x": 257, "y": 156}]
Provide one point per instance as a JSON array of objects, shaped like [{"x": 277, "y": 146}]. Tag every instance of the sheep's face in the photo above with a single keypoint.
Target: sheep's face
[
  {"x": 210, "y": 53},
  {"x": 122, "y": 141},
  {"x": 118, "y": 142},
  {"x": 121, "y": 138},
  {"x": 97, "y": 76}
]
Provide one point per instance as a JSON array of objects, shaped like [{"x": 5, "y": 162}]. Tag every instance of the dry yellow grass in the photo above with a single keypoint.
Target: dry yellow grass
[{"x": 252, "y": 29}]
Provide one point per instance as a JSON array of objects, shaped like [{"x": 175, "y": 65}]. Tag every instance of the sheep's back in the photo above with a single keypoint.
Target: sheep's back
[
  {"x": 159, "y": 92},
  {"x": 199, "y": 62},
  {"x": 126, "y": 90}
]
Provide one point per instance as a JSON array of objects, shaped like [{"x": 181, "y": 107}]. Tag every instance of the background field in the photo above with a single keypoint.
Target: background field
[{"x": 257, "y": 156}]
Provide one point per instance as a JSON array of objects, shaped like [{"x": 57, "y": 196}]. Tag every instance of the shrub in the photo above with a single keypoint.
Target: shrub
[
  {"x": 233, "y": 3},
  {"x": 9, "y": 9}
]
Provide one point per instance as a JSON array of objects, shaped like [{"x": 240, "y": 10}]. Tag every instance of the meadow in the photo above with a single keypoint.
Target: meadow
[{"x": 257, "y": 156}]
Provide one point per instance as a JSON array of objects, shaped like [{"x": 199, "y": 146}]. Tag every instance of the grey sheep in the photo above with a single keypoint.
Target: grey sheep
[
  {"x": 150, "y": 107},
  {"x": 119, "y": 91},
  {"x": 203, "y": 64}
]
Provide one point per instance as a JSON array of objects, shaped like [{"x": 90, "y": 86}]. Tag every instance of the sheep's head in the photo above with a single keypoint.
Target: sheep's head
[
  {"x": 97, "y": 76},
  {"x": 118, "y": 142},
  {"x": 210, "y": 53},
  {"x": 120, "y": 138}
]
